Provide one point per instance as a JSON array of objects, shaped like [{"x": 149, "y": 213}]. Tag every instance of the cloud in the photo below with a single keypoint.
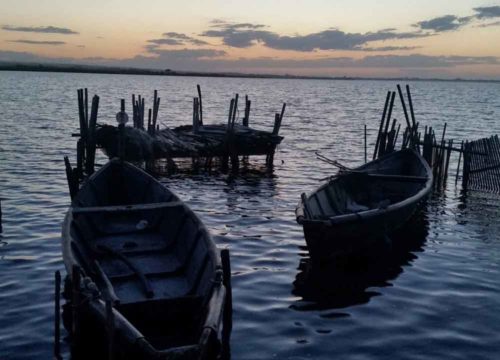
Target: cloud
[
  {"x": 444, "y": 23},
  {"x": 40, "y": 29},
  {"x": 390, "y": 48},
  {"x": 37, "y": 42},
  {"x": 165, "y": 42},
  {"x": 496, "y": 23},
  {"x": 487, "y": 12},
  {"x": 244, "y": 35},
  {"x": 174, "y": 38}
]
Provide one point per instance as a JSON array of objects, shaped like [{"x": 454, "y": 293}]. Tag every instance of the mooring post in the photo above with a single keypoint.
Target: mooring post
[
  {"x": 1, "y": 228},
  {"x": 365, "y": 147},
  {"x": 57, "y": 316},
  {"x": 110, "y": 322},
  {"x": 91, "y": 141},
  {"x": 75, "y": 300},
  {"x": 121, "y": 118},
  {"x": 228, "y": 306},
  {"x": 201, "y": 104},
  {"x": 377, "y": 143},
  {"x": 71, "y": 178},
  {"x": 196, "y": 115},
  {"x": 246, "y": 118}
]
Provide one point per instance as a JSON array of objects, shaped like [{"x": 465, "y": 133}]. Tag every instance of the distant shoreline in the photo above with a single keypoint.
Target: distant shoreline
[{"x": 90, "y": 69}]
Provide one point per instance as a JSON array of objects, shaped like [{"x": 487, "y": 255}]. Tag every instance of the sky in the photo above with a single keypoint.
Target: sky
[{"x": 385, "y": 38}]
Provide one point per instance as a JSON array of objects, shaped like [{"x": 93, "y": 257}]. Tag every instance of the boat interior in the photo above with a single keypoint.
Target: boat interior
[
  {"x": 148, "y": 251},
  {"x": 375, "y": 186}
]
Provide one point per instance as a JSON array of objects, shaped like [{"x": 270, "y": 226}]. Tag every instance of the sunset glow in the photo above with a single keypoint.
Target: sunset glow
[{"x": 347, "y": 38}]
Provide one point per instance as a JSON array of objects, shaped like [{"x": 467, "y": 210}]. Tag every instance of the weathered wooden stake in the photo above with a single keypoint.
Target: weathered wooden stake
[
  {"x": 377, "y": 143},
  {"x": 201, "y": 104},
  {"x": 71, "y": 178},
  {"x": 57, "y": 316},
  {"x": 91, "y": 141},
  {"x": 75, "y": 302},
  {"x": 365, "y": 147},
  {"x": 228, "y": 306},
  {"x": 246, "y": 118},
  {"x": 110, "y": 324},
  {"x": 196, "y": 115}
]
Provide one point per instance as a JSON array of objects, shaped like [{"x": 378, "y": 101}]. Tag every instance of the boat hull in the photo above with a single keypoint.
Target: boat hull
[{"x": 398, "y": 184}]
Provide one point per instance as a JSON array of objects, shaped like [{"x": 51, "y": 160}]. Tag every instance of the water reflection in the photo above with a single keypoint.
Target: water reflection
[{"x": 350, "y": 281}]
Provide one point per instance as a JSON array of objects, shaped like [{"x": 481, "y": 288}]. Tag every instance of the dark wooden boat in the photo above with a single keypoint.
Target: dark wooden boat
[
  {"x": 140, "y": 249},
  {"x": 359, "y": 207}
]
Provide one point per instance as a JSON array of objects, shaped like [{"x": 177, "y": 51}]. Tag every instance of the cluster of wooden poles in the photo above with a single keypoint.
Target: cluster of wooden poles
[
  {"x": 436, "y": 153},
  {"x": 86, "y": 144},
  {"x": 138, "y": 111},
  {"x": 388, "y": 133}
]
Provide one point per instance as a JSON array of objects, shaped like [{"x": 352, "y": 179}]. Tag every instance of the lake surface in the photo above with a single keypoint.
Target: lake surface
[{"x": 436, "y": 297}]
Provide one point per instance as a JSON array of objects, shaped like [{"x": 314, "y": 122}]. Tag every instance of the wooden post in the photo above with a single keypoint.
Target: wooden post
[
  {"x": 70, "y": 177},
  {"x": 150, "y": 122},
  {"x": 227, "y": 321},
  {"x": 134, "y": 113},
  {"x": 408, "y": 93},
  {"x": 383, "y": 136},
  {"x": 196, "y": 120},
  {"x": 91, "y": 141},
  {"x": 86, "y": 107},
  {"x": 80, "y": 154},
  {"x": 459, "y": 159},
  {"x": 83, "y": 123},
  {"x": 200, "y": 104},
  {"x": 121, "y": 132},
  {"x": 75, "y": 302},
  {"x": 403, "y": 103},
  {"x": 110, "y": 324},
  {"x": 156, "y": 106},
  {"x": 57, "y": 316},
  {"x": 365, "y": 147},
  {"x": 246, "y": 118},
  {"x": 377, "y": 143}
]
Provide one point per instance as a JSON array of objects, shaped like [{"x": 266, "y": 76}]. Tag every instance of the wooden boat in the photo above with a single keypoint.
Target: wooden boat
[
  {"x": 359, "y": 207},
  {"x": 149, "y": 269}
]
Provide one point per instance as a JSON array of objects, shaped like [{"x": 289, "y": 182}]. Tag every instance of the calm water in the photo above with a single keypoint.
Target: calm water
[{"x": 437, "y": 297}]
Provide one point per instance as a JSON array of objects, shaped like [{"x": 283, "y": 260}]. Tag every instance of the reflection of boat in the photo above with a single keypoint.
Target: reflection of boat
[
  {"x": 359, "y": 206},
  {"x": 346, "y": 282},
  {"x": 150, "y": 269}
]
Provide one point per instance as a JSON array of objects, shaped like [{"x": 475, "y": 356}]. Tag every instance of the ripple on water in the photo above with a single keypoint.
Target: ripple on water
[{"x": 435, "y": 297}]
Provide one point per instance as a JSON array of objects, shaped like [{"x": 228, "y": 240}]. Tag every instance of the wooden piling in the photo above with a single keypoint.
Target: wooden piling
[
  {"x": 403, "y": 103},
  {"x": 86, "y": 106},
  {"x": 365, "y": 145},
  {"x": 196, "y": 115},
  {"x": 200, "y": 104},
  {"x": 110, "y": 326},
  {"x": 1, "y": 227},
  {"x": 71, "y": 179},
  {"x": 458, "y": 164},
  {"x": 91, "y": 140},
  {"x": 228, "y": 306},
  {"x": 75, "y": 304},
  {"x": 377, "y": 143},
  {"x": 246, "y": 118},
  {"x": 80, "y": 157},
  {"x": 57, "y": 316}
]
